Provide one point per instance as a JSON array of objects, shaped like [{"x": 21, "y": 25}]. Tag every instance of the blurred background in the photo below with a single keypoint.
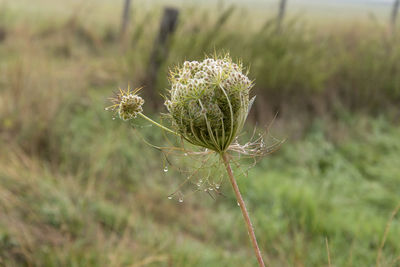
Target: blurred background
[{"x": 78, "y": 188}]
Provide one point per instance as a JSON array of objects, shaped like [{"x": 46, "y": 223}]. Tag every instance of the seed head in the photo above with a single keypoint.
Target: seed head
[
  {"x": 127, "y": 104},
  {"x": 209, "y": 101}
]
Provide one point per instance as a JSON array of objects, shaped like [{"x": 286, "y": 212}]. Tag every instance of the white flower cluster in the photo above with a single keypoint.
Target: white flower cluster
[
  {"x": 129, "y": 106},
  {"x": 195, "y": 77}
]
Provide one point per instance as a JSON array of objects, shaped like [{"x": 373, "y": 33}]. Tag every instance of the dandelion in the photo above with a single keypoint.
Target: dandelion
[{"x": 208, "y": 104}]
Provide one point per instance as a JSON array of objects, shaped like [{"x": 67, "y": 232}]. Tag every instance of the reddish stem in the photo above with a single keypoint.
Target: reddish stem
[{"x": 246, "y": 217}]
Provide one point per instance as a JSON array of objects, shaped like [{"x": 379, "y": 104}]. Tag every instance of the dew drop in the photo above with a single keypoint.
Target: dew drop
[
  {"x": 210, "y": 188},
  {"x": 180, "y": 199},
  {"x": 105, "y": 108},
  {"x": 238, "y": 204},
  {"x": 165, "y": 169},
  {"x": 169, "y": 197},
  {"x": 186, "y": 154},
  {"x": 201, "y": 180},
  {"x": 198, "y": 184},
  {"x": 113, "y": 118},
  {"x": 217, "y": 186}
]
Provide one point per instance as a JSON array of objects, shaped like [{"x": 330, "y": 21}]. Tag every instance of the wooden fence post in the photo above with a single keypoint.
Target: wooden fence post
[
  {"x": 281, "y": 15},
  {"x": 2, "y": 34},
  {"x": 393, "y": 19},
  {"x": 160, "y": 51},
  {"x": 125, "y": 17}
]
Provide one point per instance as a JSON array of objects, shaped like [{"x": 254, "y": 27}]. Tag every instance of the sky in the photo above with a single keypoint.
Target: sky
[{"x": 325, "y": 2}]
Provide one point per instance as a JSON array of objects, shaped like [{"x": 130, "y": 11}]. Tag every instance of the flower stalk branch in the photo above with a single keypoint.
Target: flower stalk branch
[{"x": 157, "y": 124}]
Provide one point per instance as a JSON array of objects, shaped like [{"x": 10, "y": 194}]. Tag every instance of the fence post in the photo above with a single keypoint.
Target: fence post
[
  {"x": 393, "y": 19},
  {"x": 2, "y": 34},
  {"x": 125, "y": 17},
  {"x": 281, "y": 15},
  {"x": 160, "y": 50}
]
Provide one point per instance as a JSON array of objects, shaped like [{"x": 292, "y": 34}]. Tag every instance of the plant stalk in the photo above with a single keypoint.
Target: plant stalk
[
  {"x": 157, "y": 124},
  {"x": 246, "y": 217}
]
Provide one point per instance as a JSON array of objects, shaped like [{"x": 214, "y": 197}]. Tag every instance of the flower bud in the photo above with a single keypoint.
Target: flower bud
[
  {"x": 209, "y": 101},
  {"x": 130, "y": 106}
]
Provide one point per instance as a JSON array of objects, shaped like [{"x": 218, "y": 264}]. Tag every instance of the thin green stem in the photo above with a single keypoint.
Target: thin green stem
[{"x": 157, "y": 124}]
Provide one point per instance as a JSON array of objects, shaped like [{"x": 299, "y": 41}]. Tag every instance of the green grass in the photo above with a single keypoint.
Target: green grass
[
  {"x": 102, "y": 206},
  {"x": 80, "y": 189}
]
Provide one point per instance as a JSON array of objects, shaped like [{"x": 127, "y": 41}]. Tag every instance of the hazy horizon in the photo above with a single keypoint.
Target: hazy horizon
[{"x": 324, "y": 9}]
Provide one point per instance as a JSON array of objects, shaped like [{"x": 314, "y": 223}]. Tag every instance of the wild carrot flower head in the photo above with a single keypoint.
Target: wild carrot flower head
[
  {"x": 127, "y": 103},
  {"x": 209, "y": 101}
]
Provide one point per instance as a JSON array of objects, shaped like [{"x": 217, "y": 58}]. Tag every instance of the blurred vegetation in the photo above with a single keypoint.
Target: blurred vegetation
[{"x": 80, "y": 189}]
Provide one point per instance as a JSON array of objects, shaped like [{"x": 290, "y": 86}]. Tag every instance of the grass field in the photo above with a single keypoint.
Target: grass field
[{"x": 78, "y": 188}]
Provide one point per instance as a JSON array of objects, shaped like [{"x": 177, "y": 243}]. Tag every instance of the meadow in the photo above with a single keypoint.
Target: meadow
[{"x": 78, "y": 188}]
